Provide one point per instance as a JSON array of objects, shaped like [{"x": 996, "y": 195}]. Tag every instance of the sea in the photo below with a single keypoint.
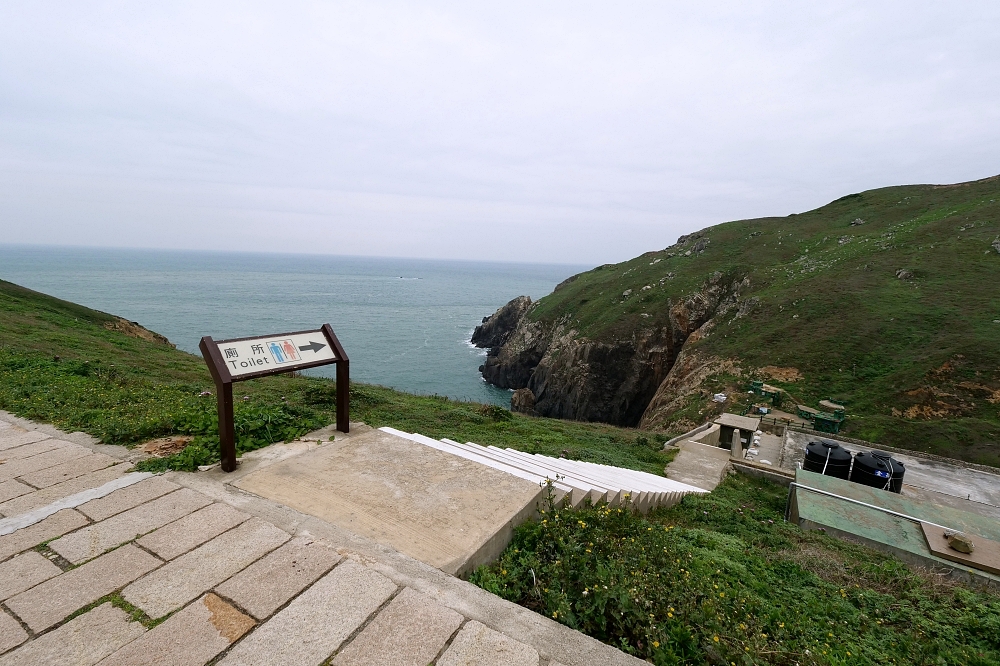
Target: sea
[{"x": 404, "y": 323}]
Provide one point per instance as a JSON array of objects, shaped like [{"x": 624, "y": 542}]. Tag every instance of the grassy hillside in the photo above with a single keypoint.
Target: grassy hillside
[
  {"x": 87, "y": 370},
  {"x": 915, "y": 358}
]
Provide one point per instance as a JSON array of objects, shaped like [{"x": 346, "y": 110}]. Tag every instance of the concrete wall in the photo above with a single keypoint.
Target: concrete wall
[
  {"x": 709, "y": 436},
  {"x": 772, "y": 474}
]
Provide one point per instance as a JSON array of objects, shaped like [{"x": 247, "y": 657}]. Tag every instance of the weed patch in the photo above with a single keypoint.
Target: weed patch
[{"x": 721, "y": 578}]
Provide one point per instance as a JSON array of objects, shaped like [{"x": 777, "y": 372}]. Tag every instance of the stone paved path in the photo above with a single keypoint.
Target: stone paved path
[{"x": 185, "y": 569}]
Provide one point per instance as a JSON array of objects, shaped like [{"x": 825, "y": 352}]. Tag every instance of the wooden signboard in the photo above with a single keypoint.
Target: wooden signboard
[{"x": 240, "y": 359}]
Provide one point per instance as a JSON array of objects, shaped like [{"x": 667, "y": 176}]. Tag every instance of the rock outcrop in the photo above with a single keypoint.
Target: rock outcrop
[
  {"x": 611, "y": 380},
  {"x": 522, "y": 401},
  {"x": 496, "y": 329}
]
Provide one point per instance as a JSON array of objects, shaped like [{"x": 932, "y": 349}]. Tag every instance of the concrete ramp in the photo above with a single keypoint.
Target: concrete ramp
[
  {"x": 699, "y": 465},
  {"x": 442, "y": 509}
]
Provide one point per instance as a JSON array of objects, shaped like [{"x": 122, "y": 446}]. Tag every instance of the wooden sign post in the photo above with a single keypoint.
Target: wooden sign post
[{"x": 240, "y": 359}]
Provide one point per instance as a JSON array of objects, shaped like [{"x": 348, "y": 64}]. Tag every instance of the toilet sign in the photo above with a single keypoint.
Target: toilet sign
[
  {"x": 276, "y": 353},
  {"x": 240, "y": 359}
]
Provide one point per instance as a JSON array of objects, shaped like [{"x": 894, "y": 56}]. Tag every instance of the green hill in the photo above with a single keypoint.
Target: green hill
[{"x": 887, "y": 300}]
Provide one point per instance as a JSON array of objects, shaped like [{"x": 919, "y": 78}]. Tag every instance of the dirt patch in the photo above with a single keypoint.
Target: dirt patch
[
  {"x": 166, "y": 446},
  {"x": 992, "y": 395},
  {"x": 942, "y": 411},
  {"x": 229, "y": 622},
  {"x": 830, "y": 565},
  {"x": 781, "y": 374},
  {"x": 135, "y": 330}
]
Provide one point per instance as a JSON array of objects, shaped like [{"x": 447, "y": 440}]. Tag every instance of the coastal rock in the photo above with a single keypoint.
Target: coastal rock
[
  {"x": 996, "y": 245},
  {"x": 611, "y": 380},
  {"x": 495, "y": 329},
  {"x": 522, "y": 401},
  {"x": 904, "y": 274}
]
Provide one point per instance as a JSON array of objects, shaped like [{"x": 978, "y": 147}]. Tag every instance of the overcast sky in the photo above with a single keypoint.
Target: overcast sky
[{"x": 554, "y": 132}]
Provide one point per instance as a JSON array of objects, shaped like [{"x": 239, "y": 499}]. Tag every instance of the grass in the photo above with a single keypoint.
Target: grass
[
  {"x": 721, "y": 579},
  {"x": 64, "y": 364},
  {"x": 916, "y": 361}
]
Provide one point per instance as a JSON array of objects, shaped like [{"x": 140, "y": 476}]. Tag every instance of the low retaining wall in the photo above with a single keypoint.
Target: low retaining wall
[
  {"x": 689, "y": 434},
  {"x": 782, "y": 477}
]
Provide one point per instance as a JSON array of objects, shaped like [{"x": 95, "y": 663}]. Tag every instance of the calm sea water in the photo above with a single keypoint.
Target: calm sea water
[{"x": 404, "y": 323}]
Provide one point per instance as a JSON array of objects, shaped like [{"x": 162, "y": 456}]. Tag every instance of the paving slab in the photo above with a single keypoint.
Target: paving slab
[
  {"x": 478, "y": 645},
  {"x": 93, "y": 540},
  {"x": 126, "y": 498},
  {"x": 317, "y": 622},
  {"x": 268, "y": 583},
  {"x": 45, "y": 496},
  {"x": 24, "y": 572},
  {"x": 34, "y": 449},
  {"x": 12, "y": 633},
  {"x": 44, "y": 605},
  {"x": 10, "y": 439},
  {"x": 192, "y": 530},
  {"x": 410, "y": 631},
  {"x": 13, "y": 488},
  {"x": 439, "y": 508},
  {"x": 54, "y": 526},
  {"x": 190, "y": 637},
  {"x": 50, "y": 476},
  {"x": 21, "y": 466},
  {"x": 190, "y": 575},
  {"x": 83, "y": 641}
]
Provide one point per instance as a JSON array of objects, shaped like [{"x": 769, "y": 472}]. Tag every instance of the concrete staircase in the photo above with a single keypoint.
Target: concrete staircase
[{"x": 572, "y": 480}]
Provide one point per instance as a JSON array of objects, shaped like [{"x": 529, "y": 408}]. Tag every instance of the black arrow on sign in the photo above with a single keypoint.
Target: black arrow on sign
[{"x": 312, "y": 346}]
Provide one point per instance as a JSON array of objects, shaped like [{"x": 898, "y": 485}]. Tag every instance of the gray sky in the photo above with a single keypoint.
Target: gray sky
[{"x": 557, "y": 132}]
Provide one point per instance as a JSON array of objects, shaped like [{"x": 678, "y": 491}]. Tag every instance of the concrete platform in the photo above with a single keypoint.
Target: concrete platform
[
  {"x": 699, "y": 465},
  {"x": 451, "y": 513}
]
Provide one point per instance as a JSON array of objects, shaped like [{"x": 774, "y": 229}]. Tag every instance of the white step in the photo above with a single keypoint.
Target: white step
[{"x": 573, "y": 478}]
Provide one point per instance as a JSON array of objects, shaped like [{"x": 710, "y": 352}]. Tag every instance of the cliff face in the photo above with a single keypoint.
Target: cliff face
[{"x": 611, "y": 380}]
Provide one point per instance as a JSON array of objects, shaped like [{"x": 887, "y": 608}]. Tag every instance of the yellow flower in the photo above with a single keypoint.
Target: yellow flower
[{"x": 715, "y": 638}]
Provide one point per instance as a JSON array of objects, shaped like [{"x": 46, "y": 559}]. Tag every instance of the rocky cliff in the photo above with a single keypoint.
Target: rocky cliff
[
  {"x": 612, "y": 380},
  {"x": 886, "y": 300}
]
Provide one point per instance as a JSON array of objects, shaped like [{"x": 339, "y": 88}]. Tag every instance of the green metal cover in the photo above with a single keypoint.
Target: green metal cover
[{"x": 898, "y": 535}]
